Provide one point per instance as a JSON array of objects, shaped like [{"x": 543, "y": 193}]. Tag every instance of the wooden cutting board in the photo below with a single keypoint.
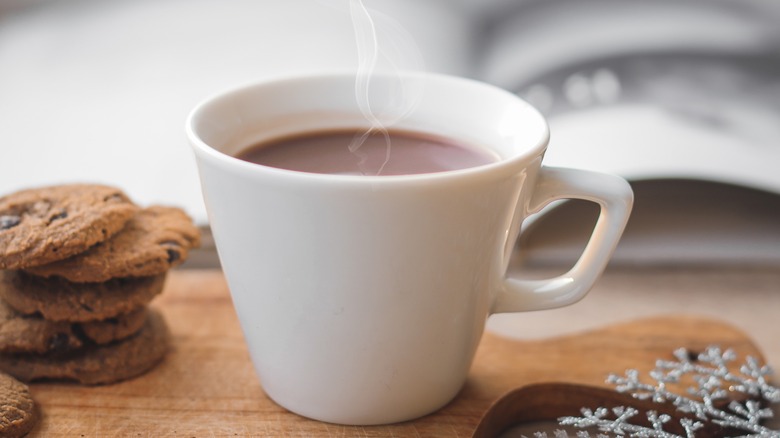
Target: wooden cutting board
[{"x": 207, "y": 387}]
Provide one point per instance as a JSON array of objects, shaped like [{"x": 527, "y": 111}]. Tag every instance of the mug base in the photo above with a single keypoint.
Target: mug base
[{"x": 362, "y": 415}]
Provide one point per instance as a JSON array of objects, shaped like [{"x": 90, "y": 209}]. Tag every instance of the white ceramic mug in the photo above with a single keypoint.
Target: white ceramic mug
[{"x": 363, "y": 298}]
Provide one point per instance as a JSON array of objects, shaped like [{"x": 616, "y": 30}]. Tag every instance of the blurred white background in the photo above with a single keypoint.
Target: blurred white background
[{"x": 98, "y": 90}]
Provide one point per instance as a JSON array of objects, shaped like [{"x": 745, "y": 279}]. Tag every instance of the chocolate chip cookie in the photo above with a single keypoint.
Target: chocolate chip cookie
[
  {"x": 33, "y": 334},
  {"x": 57, "y": 299},
  {"x": 43, "y": 225},
  {"x": 18, "y": 413},
  {"x": 116, "y": 328},
  {"x": 98, "y": 364},
  {"x": 19, "y": 333},
  {"x": 152, "y": 242}
]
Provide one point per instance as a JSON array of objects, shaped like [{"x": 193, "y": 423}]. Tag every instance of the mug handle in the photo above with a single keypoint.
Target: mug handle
[{"x": 615, "y": 197}]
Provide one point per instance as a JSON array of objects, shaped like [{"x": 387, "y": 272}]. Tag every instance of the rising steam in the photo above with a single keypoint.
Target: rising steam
[
  {"x": 396, "y": 46},
  {"x": 368, "y": 55},
  {"x": 383, "y": 46}
]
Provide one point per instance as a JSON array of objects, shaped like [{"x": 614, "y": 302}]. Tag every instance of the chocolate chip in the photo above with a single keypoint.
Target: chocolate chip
[
  {"x": 172, "y": 248},
  {"x": 86, "y": 307},
  {"x": 61, "y": 215},
  {"x": 173, "y": 255},
  {"x": 9, "y": 221},
  {"x": 58, "y": 342}
]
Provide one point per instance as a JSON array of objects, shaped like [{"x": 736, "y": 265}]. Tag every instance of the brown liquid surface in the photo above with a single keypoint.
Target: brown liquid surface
[{"x": 400, "y": 153}]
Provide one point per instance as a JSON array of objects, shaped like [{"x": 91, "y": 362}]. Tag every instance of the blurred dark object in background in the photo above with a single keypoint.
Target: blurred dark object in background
[{"x": 682, "y": 98}]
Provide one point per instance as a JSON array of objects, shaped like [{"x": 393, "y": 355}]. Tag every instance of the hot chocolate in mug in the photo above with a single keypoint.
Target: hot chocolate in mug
[{"x": 362, "y": 298}]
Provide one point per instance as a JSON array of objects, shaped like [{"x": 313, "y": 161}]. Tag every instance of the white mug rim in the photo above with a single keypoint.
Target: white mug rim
[{"x": 511, "y": 164}]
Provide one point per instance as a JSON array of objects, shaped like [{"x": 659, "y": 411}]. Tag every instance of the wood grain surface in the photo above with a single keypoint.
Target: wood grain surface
[{"x": 206, "y": 387}]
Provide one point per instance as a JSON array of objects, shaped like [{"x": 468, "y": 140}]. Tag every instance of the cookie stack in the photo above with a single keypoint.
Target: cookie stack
[{"x": 79, "y": 265}]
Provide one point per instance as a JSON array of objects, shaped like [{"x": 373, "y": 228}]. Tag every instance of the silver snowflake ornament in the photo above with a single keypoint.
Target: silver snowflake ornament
[{"x": 715, "y": 395}]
